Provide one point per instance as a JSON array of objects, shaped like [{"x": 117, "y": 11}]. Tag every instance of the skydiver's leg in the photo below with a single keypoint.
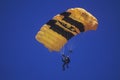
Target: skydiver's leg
[
  {"x": 67, "y": 65},
  {"x": 63, "y": 66}
]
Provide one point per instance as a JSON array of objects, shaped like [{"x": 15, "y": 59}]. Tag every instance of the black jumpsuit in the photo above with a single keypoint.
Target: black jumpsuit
[{"x": 66, "y": 61}]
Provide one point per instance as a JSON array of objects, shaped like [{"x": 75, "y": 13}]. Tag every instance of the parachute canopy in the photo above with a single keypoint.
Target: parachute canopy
[{"x": 56, "y": 32}]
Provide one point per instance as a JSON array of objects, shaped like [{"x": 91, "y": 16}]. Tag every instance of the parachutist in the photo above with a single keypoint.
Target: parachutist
[{"x": 66, "y": 61}]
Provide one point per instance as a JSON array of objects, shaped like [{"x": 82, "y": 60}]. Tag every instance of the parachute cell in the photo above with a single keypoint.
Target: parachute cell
[{"x": 62, "y": 27}]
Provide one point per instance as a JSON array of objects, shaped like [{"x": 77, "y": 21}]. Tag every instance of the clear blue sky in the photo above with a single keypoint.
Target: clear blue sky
[{"x": 97, "y": 53}]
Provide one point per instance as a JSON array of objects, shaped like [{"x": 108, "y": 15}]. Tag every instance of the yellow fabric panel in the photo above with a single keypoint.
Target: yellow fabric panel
[
  {"x": 52, "y": 40},
  {"x": 47, "y": 42},
  {"x": 60, "y": 40},
  {"x": 81, "y": 15},
  {"x": 58, "y": 37},
  {"x": 48, "y": 34}
]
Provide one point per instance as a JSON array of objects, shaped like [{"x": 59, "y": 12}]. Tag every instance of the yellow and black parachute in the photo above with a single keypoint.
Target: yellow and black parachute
[{"x": 62, "y": 27}]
